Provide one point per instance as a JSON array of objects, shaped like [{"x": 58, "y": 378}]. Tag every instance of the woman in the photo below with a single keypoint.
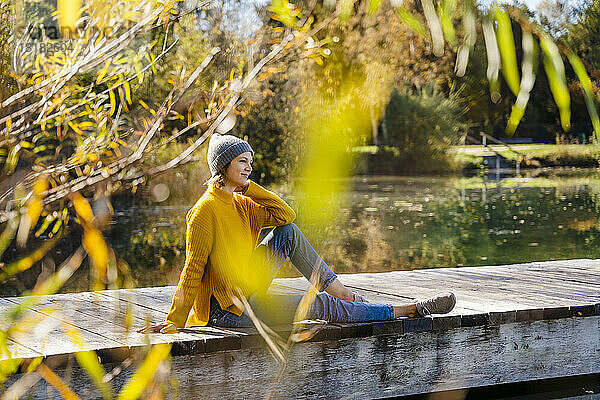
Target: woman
[{"x": 222, "y": 261}]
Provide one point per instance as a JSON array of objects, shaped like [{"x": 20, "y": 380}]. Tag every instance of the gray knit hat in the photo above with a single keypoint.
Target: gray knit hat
[{"x": 224, "y": 148}]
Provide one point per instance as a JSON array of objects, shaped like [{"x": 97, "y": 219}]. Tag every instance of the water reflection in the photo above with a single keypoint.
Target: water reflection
[
  {"x": 395, "y": 223},
  {"x": 385, "y": 223}
]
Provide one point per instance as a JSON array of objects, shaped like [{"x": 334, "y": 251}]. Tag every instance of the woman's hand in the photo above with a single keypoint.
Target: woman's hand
[{"x": 164, "y": 327}]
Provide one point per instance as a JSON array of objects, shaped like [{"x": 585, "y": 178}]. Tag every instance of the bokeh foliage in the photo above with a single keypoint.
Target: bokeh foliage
[{"x": 82, "y": 114}]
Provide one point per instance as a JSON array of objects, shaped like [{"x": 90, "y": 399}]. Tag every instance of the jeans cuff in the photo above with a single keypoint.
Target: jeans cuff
[
  {"x": 391, "y": 310},
  {"x": 332, "y": 277}
]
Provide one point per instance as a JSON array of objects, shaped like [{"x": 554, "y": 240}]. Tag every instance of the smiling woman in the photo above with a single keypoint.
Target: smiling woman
[{"x": 223, "y": 261}]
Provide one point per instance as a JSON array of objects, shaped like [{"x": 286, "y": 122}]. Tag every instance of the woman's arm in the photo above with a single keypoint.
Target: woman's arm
[
  {"x": 266, "y": 208},
  {"x": 199, "y": 242}
]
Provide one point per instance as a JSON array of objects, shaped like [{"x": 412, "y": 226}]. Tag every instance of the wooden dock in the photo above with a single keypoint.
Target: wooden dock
[{"x": 512, "y": 323}]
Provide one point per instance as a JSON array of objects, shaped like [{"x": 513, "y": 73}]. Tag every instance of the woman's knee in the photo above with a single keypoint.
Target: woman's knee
[{"x": 287, "y": 231}]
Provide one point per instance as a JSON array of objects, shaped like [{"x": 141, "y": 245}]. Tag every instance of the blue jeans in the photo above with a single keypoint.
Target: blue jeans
[{"x": 289, "y": 241}]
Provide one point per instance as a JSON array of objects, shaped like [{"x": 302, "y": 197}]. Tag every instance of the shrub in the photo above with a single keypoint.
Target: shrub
[{"x": 422, "y": 125}]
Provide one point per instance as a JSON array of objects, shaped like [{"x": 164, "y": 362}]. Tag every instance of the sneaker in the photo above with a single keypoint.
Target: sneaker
[{"x": 441, "y": 303}]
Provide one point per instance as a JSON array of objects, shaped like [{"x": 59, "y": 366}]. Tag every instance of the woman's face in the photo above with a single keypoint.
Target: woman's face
[{"x": 239, "y": 169}]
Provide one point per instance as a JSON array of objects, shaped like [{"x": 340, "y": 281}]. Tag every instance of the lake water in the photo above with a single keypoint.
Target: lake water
[
  {"x": 382, "y": 224},
  {"x": 398, "y": 223}
]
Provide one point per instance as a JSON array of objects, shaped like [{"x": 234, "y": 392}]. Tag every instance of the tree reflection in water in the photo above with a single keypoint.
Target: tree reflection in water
[{"x": 393, "y": 223}]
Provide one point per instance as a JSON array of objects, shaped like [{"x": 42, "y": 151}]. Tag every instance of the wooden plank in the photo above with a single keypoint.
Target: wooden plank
[
  {"x": 564, "y": 273},
  {"x": 523, "y": 283},
  {"x": 89, "y": 328},
  {"x": 17, "y": 350},
  {"x": 420, "y": 286},
  {"x": 102, "y": 331},
  {"x": 91, "y": 311},
  {"x": 36, "y": 332},
  {"x": 485, "y": 299},
  {"x": 523, "y": 288},
  {"x": 590, "y": 265},
  {"x": 496, "y": 290},
  {"x": 211, "y": 337},
  {"x": 567, "y": 268},
  {"x": 101, "y": 315},
  {"x": 153, "y": 298},
  {"x": 556, "y": 283},
  {"x": 387, "y": 366},
  {"x": 512, "y": 274}
]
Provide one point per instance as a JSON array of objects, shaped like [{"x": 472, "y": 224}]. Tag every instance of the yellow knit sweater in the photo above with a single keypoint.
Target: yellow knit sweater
[{"x": 222, "y": 232}]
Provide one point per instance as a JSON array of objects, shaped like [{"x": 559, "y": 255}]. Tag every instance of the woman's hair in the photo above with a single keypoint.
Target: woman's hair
[{"x": 219, "y": 179}]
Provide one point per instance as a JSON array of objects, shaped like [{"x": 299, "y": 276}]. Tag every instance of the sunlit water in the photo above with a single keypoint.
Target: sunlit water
[
  {"x": 383, "y": 224},
  {"x": 396, "y": 223}
]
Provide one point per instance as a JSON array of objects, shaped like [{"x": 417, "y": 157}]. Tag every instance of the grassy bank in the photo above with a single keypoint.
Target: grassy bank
[
  {"x": 387, "y": 160},
  {"x": 532, "y": 156}
]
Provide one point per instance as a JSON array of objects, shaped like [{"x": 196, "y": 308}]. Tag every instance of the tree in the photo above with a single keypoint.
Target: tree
[
  {"x": 77, "y": 124},
  {"x": 557, "y": 16},
  {"x": 584, "y": 35}
]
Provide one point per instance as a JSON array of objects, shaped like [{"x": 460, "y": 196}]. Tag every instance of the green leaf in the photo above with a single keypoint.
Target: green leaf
[
  {"x": 346, "y": 9},
  {"x": 374, "y": 6},
  {"x": 555, "y": 71},
  {"x": 8, "y": 233},
  {"x": 518, "y": 110},
  {"x": 586, "y": 84},
  {"x": 506, "y": 45},
  {"x": 412, "y": 21},
  {"x": 11, "y": 160},
  {"x": 446, "y": 12}
]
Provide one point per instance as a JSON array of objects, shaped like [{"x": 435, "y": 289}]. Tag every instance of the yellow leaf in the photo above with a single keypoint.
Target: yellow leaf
[
  {"x": 143, "y": 103},
  {"x": 58, "y": 384},
  {"x": 88, "y": 360},
  {"x": 96, "y": 247},
  {"x": 75, "y": 127},
  {"x": 145, "y": 373},
  {"x": 102, "y": 72},
  {"x": 127, "y": 91},
  {"x": 85, "y": 124},
  {"x": 27, "y": 262},
  {"x": 40, "y": 186},
  {"x": 82, "y": 207},
  {"x": 68, "y": 13},
  {"x": 34, "y": 364},
  {"x": 123, "y": 102},
  {"x": 34, "y": 210},
  {"x": 113, "y": 102}
]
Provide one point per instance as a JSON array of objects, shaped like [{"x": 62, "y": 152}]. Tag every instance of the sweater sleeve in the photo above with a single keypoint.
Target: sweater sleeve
[
  {"x": 266, "y": 209},
  {"x": 199, "y": 243}
]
